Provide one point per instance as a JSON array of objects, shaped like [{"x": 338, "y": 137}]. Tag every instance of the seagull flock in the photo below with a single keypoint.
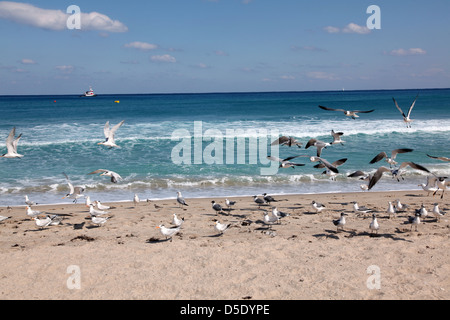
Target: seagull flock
[{"x": 434, "y": 183}]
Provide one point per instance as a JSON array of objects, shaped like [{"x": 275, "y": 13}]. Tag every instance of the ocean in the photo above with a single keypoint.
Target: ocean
[{"x": 213, "y": 145}]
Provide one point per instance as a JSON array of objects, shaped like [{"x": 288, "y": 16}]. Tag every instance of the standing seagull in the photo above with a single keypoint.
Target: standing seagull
[
  {"x": 374, "y": 226},
  {"x": 406, "y": 117},
  {"x": 168, "y": 232},
  {"x": 11, "y": 145},
  {"x": 177, "y": 221},
  {"x": 109, "y": 135},
  {"x": 94, "y": 212},
  {"x": 258, "y": 201},
  {"x": 221, "y": 227},
  {"x": 340, "y": 223},
  {"x": 437, "y": 213},
  {"x": 442, "y": 184},
  {"x": 217, "y": 207},
  {"x": 269, "y": 220},
  {"x": 348, "y": 113},
  {"x": 391, "y": 209},
  {"x": 229, "y": 203},
  {"x": 136, "y": 200},
  {"x": 414, "y": 221},
  {"x": 29, "y": 202},
  {"x": 318, "y": 207},
  {"x": 268, "y": 199},
  {"x": 114, "y": 176},
  {"x": 99, "y": 221},
  {"x": 74, "y": 192},
  {"x": 181, "y": 200}
]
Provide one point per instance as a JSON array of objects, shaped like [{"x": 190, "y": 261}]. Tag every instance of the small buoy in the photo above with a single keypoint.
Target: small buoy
[
  {"x": 54, "y": 101},
  {"x": 117, "y": 101}
]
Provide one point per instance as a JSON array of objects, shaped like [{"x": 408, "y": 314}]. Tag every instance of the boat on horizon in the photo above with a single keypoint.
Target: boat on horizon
[{"x": 89, "y": 93}]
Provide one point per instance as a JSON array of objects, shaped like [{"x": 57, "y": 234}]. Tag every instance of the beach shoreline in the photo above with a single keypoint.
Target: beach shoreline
[{"x": 303, "y": 257}]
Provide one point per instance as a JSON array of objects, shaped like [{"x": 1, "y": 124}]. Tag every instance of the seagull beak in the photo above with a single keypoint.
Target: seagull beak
[{"x": 158, "y": 227}]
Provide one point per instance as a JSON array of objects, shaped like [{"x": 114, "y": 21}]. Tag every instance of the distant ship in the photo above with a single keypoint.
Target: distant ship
[{"x": 89, "y": 93}]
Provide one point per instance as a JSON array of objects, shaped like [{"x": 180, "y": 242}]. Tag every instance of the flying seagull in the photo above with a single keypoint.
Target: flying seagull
[
  {"x": 74, "y": 192},
  {"x": 318, "y": 144},
  {"x": 349, "y": 113},
  {"x": 406, "y": 117},
  {"x": 337, "y": 137},
  {"x": 390, "y": 160},
  {"x": 439, "y": 158},
  {"x": 286, "y": 163},
  {"x": 114, "y": 176},
  {"x": 395, "y": 172},
  {"x": 287, "y": 141},
  {"x": 109, "y": 135},
  {"x": 11, "y": 145},
  {"x": 328, "y": 171}
]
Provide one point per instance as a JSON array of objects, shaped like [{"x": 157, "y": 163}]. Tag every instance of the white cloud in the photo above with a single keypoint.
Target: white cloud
[
  {"x": 350, "y": 28},
  {"x": 331, "y": 29},
  {"x": 65, "y": 68},
  {"x": 407, "y": 52},
  {"x": 163, "y": 58},
  {"x": 287, "y": 77},
  {"x": 220, "y": 53},
  {"x": 27, "y": 61},
  {"x": 320, "y": 75},
  {"x": 141, "y": 45},
  {"x": 24, "y": 13}
]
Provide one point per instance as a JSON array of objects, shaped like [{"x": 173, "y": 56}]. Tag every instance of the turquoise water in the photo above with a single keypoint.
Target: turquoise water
[{"x": 60, "y": 134}]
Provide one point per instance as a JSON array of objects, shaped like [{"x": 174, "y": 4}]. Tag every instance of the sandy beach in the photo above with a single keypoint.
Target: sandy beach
[{"x": 303, "y": 257}]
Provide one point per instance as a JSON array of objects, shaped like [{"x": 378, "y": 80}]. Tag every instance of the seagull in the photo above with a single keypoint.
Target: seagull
[
  {"x": 217, "y": 207},
  {"x": 114, "y": 176},
  {"x": 406, "y": 118},
  {"x": 391, "y": 209},
  {"x": 88, "y": 201},
  {"x": 3, "y": 218},
  {"x": 109, "y": 135},
  {"x": 221, "y": 227},
  {"x": 168, "y": 232},
  {"x": 100, "y": 206},
  {"x": 324, "y": 162},
  {"x": 439, "y": 158},
  {"x": 414, "y": 221},
  {"x": 279, "y": 214},
  {"x": 32, "y": 213},
  {"x": 136, "y": 200},
  {"x": 42, "y": 223},
  {"x": 258, "y": 201},
  {"x": 374, "y": 226},
  {"x": 396, "y": 173},
  {"x": 437, "y": 212},
  {"x": 430, "y": 186},
  {"x": 11, "y": 145},
  {"x": 176, "y": 221},
  {"x": 363, "y": 176},
  {"x": 269, "y": 220},
  {"x": 268, "y": 199},
  {"x": 74, "y": 192},
  {"x": 229, "y": 203},
  {"x": 100, "y": 221},
  {"x": 94, "y": 212},
  {"x": 337, "y": 137},
  {"x": 29, "y": 202},
  {"x": 318, "y": 144},
  {"x": 286, "y": 141},
  {"x": 286, "y": 163},
  {"x": 328, "y": 172},
  {"x": 422, "y": 211},
  {"x": 318, "y": 207},
  {"x": 400, "y": 206},
  {"x": 441, "y": 183},
  {"x": 181, "y": 200},
  {"x": 348, "y": 113},
  {"x": 360, "y": 210},
  {"x": 56, "y": 220},
  {"x": 340, "y": 223},
  {"x": 390, "y": 160}
]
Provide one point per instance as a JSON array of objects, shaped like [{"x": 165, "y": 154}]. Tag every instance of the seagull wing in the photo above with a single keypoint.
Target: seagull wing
[
  {"x": 329, "y": 165},
  {"x": 412, "y": 106},
  {"x": 114, "y": 129},
  {"x": 106, "y": 130},
  {"x": 98, "y": 171},
  {"x": 399, "y": 109},
  {"x": 397, "y": 151},
  {"x": 358, "y": 173},
  {"x": 339, "y": 162},
  {"x": 414, "y": 166},
  {"x": 274, "y": 159},
  {"x": 439, "y": 158},
  {"x": 363, "y": 111},
  {"x": 280, "y": 140},
  {"x": 377, "y": 176},
  {"x": 331, "y": 109},
  {"x": 10, "y": 142},
  {"x": 379, "y": 157}
]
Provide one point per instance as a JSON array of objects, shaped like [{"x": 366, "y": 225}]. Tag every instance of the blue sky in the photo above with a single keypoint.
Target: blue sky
[{"x": 177, "y": 46}]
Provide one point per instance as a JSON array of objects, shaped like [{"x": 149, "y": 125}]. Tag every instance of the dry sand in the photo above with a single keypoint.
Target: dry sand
[{"x": 304, "y": 257}]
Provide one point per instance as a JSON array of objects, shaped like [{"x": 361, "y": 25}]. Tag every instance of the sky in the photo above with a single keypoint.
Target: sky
[{"x": 196, "y": 46}]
